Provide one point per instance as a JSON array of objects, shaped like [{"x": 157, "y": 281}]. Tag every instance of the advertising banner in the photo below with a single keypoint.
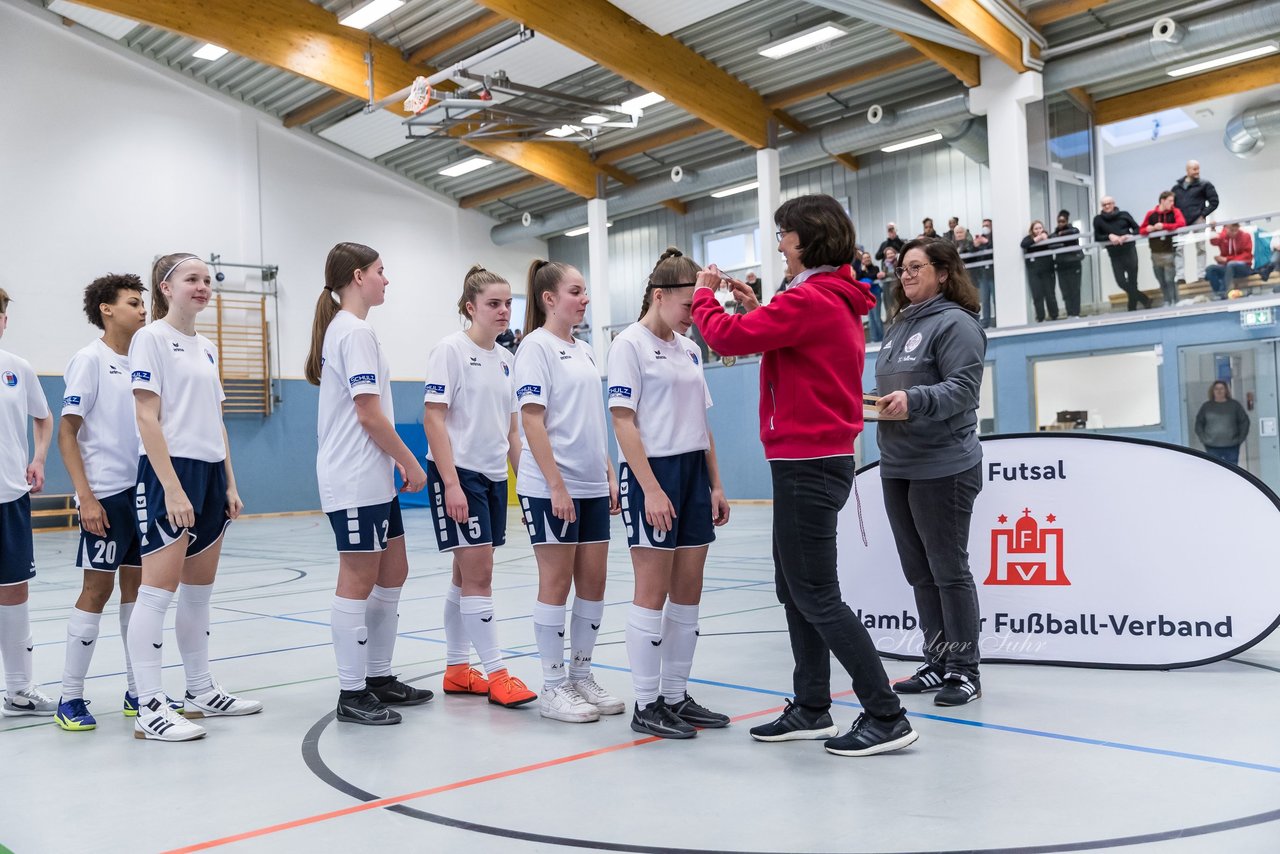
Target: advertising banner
[{"x": 1089, "y": 550}]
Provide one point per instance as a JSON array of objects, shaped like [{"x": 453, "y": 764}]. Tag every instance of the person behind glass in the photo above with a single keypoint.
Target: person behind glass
[
  {"x": 1040, "y": 271},
  {"x": 567, "y": 489},
  {"x": 1222, "y": 424},
  {"x": 20, "y": 398},
  {"x": 1233, "y": 261},
  {"x": 931, "y": 462},
  {"x": 810, "y": 415},
  {"x": 1157, "y": 225},
  {"x": 1068, "y": 265},
  {"x": 98, "y": 438},
  {"x": 470, "y": 422},
  {"x": 185, "y": 498},
  {"x": 1116, "y": 228},
  {"x": 671, "y": 495},
  {"x": 980, "y": 273},
  {"x": 357, "y": 455},
  {"x": 870, "y": 274}
]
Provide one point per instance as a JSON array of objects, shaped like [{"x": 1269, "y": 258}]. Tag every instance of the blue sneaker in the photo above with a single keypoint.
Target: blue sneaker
[
  {"x": 131, "y": 705},
  {"x": 74, "y": 716}
]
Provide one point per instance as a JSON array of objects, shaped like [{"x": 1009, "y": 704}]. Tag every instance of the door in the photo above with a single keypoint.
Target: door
[
  {"x": 1073, "y": 193},
  {"x": 1252, "y": 372}
]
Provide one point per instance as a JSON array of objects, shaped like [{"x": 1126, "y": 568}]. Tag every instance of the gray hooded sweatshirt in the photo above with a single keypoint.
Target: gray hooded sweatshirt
[{"x": 934, "y": 352}]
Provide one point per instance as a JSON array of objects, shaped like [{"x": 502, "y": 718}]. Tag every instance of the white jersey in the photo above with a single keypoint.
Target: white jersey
[
  {"x": 476, "y": 386},
  {"x": 20, "y": 397},
  {"x": 350, "y": 467},
  {"x": 562, "y": 376},
  {"x": 97, "y": 390},
  {"x": 662, "y": 382},
  {"x": 183, "y": 370}
]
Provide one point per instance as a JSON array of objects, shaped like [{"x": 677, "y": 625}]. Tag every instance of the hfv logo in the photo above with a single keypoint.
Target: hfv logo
[{"x": 1026, "y": 553}]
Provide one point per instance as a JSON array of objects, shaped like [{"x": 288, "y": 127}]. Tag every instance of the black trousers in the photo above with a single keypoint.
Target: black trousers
[
  {"x": 1069, "y": 283},
  {"x": 1124, "y": 264},
  {"x": 1040, "y": 277},
  {"x": 807, "y": 497}
]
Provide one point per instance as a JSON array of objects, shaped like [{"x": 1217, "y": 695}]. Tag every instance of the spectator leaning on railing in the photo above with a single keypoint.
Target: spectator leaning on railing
[
  {"x": 1234, "y": 259},
  {"x": 1040, "y": 271},
  {"x": 1197, "y": 199},
  {"x": 982, "y": 276},
  {"x": 1116, "y": 227},
  {"x": 1158, "y": 222},
  {"x": 1068, "y": 265}
]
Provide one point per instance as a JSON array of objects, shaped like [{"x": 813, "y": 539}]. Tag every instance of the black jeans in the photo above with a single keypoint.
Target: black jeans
[
  {"x": 1124, "y": 264},
  {"x": 807, "y": 497},
  {"x": 1040, "y": 277},
  {"x": 930, "y": 523},
  {"x": 1069, "y": 283}
]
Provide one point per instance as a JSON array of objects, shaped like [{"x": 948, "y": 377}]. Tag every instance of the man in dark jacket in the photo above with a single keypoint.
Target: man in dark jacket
[
  {"x": 892, "y": 240},
  {"x": 980, "y": 272},
  {"x": 1116, "y": 228},
  {"x": 1196, "y": 199}
]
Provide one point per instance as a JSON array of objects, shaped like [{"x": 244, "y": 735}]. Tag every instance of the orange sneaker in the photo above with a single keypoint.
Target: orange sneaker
[
  {"x": 507, "y": 690},
  {"x": 464, "y": 679}
]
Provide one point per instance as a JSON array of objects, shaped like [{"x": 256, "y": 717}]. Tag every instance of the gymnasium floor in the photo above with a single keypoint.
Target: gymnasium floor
[{"x": 1050, "y": 759}]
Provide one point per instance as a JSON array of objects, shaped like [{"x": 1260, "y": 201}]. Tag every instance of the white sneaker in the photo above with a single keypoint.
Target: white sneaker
[
  {"x": 216, "y": 702},
  {"x": 30, "y": 701},
  {"x": 157, "y": 721},
  {"x": 596, "y": 695},
  {"x": 564, "y": 703}
]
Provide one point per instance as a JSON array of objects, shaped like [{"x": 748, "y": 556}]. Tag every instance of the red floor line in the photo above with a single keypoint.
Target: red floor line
[{"x": 448, "y": 787}]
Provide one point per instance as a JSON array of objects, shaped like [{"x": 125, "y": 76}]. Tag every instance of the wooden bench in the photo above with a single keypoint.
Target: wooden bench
[
  {"x": 54, "y": 513},
  {"x": 1120, "y": 301}
]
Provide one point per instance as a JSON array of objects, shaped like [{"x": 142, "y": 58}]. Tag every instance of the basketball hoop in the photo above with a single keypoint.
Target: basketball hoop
[{"x": 419, "y": 96}]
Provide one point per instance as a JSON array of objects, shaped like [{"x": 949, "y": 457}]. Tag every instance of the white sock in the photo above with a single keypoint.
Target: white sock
[
  {"x": 15, "y": 647},
  {"x": 146, "y": 635},
  {"x": 548, "y": 631},
  {"x": 346, "y": 620},
  {"x": 679, "y": 638},
  {"x": 477, "y": 616},
  {"x": 191, "y": 625},
  {"x": 457, "y": 649},
  {"x": 644, "y": 639},
  {"x": 382, "y": 616},
  {"x": 82, "y": 637},
  {"x": 583, "y": 629},
  {"x": 126, "y": 612}
]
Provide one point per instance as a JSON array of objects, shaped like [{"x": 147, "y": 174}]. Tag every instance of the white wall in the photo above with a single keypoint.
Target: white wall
[{"x": 107, "y": 161}]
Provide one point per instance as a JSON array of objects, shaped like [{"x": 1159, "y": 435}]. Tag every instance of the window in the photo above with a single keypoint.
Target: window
[
  {"x": 987, "y": 401},
  {"x": 731, "y": 251},
  {"x": 1111, "y": 391},
  {"x": 1070, "y": 140}
]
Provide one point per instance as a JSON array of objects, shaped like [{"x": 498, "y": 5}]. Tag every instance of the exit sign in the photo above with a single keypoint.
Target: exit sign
[{"x": 1257, "y": 317}]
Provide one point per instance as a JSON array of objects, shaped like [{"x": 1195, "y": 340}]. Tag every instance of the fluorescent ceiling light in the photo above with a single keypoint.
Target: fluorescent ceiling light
[
  {"x": 370, "y": 12},
  {"x": 578, "y": 232},
  {"x": 1228, "y": 59},
  {"x": 563, "y": 131},
  {"x": 462, "y": 167},
  {"x": 733, "y": 191},
  {"x": 210, "y": 52},
  {"x": 912, "y": 143},
  {"x": 811, "y": 37},
  {"x": 638, "y": 103},
  {"x": 594, "y": 120}
]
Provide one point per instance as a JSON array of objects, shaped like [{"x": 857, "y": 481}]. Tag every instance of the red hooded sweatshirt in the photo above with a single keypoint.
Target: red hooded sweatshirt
[{"x": 811, "y": 373}]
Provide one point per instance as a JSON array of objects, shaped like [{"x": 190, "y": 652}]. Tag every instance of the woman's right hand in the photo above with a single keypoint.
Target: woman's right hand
[
  {"x": 178, "y": 508},
  {"x": 744, "y": 295},
  {"x": 455, "y": 504},
  {"x": 92, "y": 517},
  {"x": 414, "y": 478},
  {"x": 658, "y": 510},
  {"x": 562, "y": 505},
  {"x": 708, "y": 278}
]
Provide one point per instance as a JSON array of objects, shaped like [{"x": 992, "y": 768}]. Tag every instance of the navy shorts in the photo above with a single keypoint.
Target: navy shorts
[
  {"x": 206, "y": 487},
  {"x": 367, "y": 529},
  {"x": 17, "y": 550},
  {"x": 685, "y": 480},
  {"x": 486, "y": 510},
  {"x": 590, "y": 526},
  {"x": 122, "y": 544}
]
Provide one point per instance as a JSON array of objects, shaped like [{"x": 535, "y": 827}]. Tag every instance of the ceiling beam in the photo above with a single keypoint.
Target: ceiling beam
[
  {"x": 458, "y": 35},
  {"x": 963, "y": 65},
  {"x": 314, "y": 109},
  {"x": 971, "y": 18},
  {"x": 608, "y": 36},
  {"x": 1058, "y": 10},
  {"x": 1081, "y": 98},
  {"x": 654, "y": 140},
  {"x": 493, "y": 194},
  {"x": 1188, "y": 90},
  {"x": 844, "y": 79},
  {"x": 561, "y": 163}
]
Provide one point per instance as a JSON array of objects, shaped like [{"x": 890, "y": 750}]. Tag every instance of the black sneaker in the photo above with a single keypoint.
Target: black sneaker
[
  {"x": 363, "y": 707},
  {"x": 658, "y": 719},
  {"x": 796, "y": 723},
  {"x": 390, "y": 691},
  {"x": 927, "y": 678},
  {"x": 694, "y": 714},
  {"x": 868, "y": 736},
  {"x": 958, "y": 690}
]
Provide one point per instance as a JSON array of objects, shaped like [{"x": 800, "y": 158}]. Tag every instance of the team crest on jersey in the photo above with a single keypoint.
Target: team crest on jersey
[
  {"x": 694, "y": 357},
  {"x": 912, "y": 343},
  {"x": 435, "y": 388},
  {"x": 506, "y": 372},
  {"x": 526, "y": 390},
  {"x": 362, "y": 379},
  {"x": 209, "y": 356},
  {"x": 621, "y": 392},
  {"x": 71, "y": 400},
  {"x": 141, "y": 376},
  {"x": 10, "y": 379}
]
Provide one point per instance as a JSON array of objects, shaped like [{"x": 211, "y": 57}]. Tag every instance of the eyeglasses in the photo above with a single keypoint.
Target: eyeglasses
[
  {"x": 913, "y": 270},
  {"x": 778, "y": 234}
]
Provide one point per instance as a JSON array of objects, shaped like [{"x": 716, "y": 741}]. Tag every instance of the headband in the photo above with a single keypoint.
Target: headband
[
  {"x": 177, "y": 264},
  {"x": 672, "y": 285}
]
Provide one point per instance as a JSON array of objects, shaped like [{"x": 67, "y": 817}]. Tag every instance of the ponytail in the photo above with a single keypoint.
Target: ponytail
[
  {"x": 473, "y": 284},
  {"x": 161, "y": 270},
  {"x": 339, "y": 269},
  {"x": 673, "y": 268},
  {"x": 544, "y": 276}
]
